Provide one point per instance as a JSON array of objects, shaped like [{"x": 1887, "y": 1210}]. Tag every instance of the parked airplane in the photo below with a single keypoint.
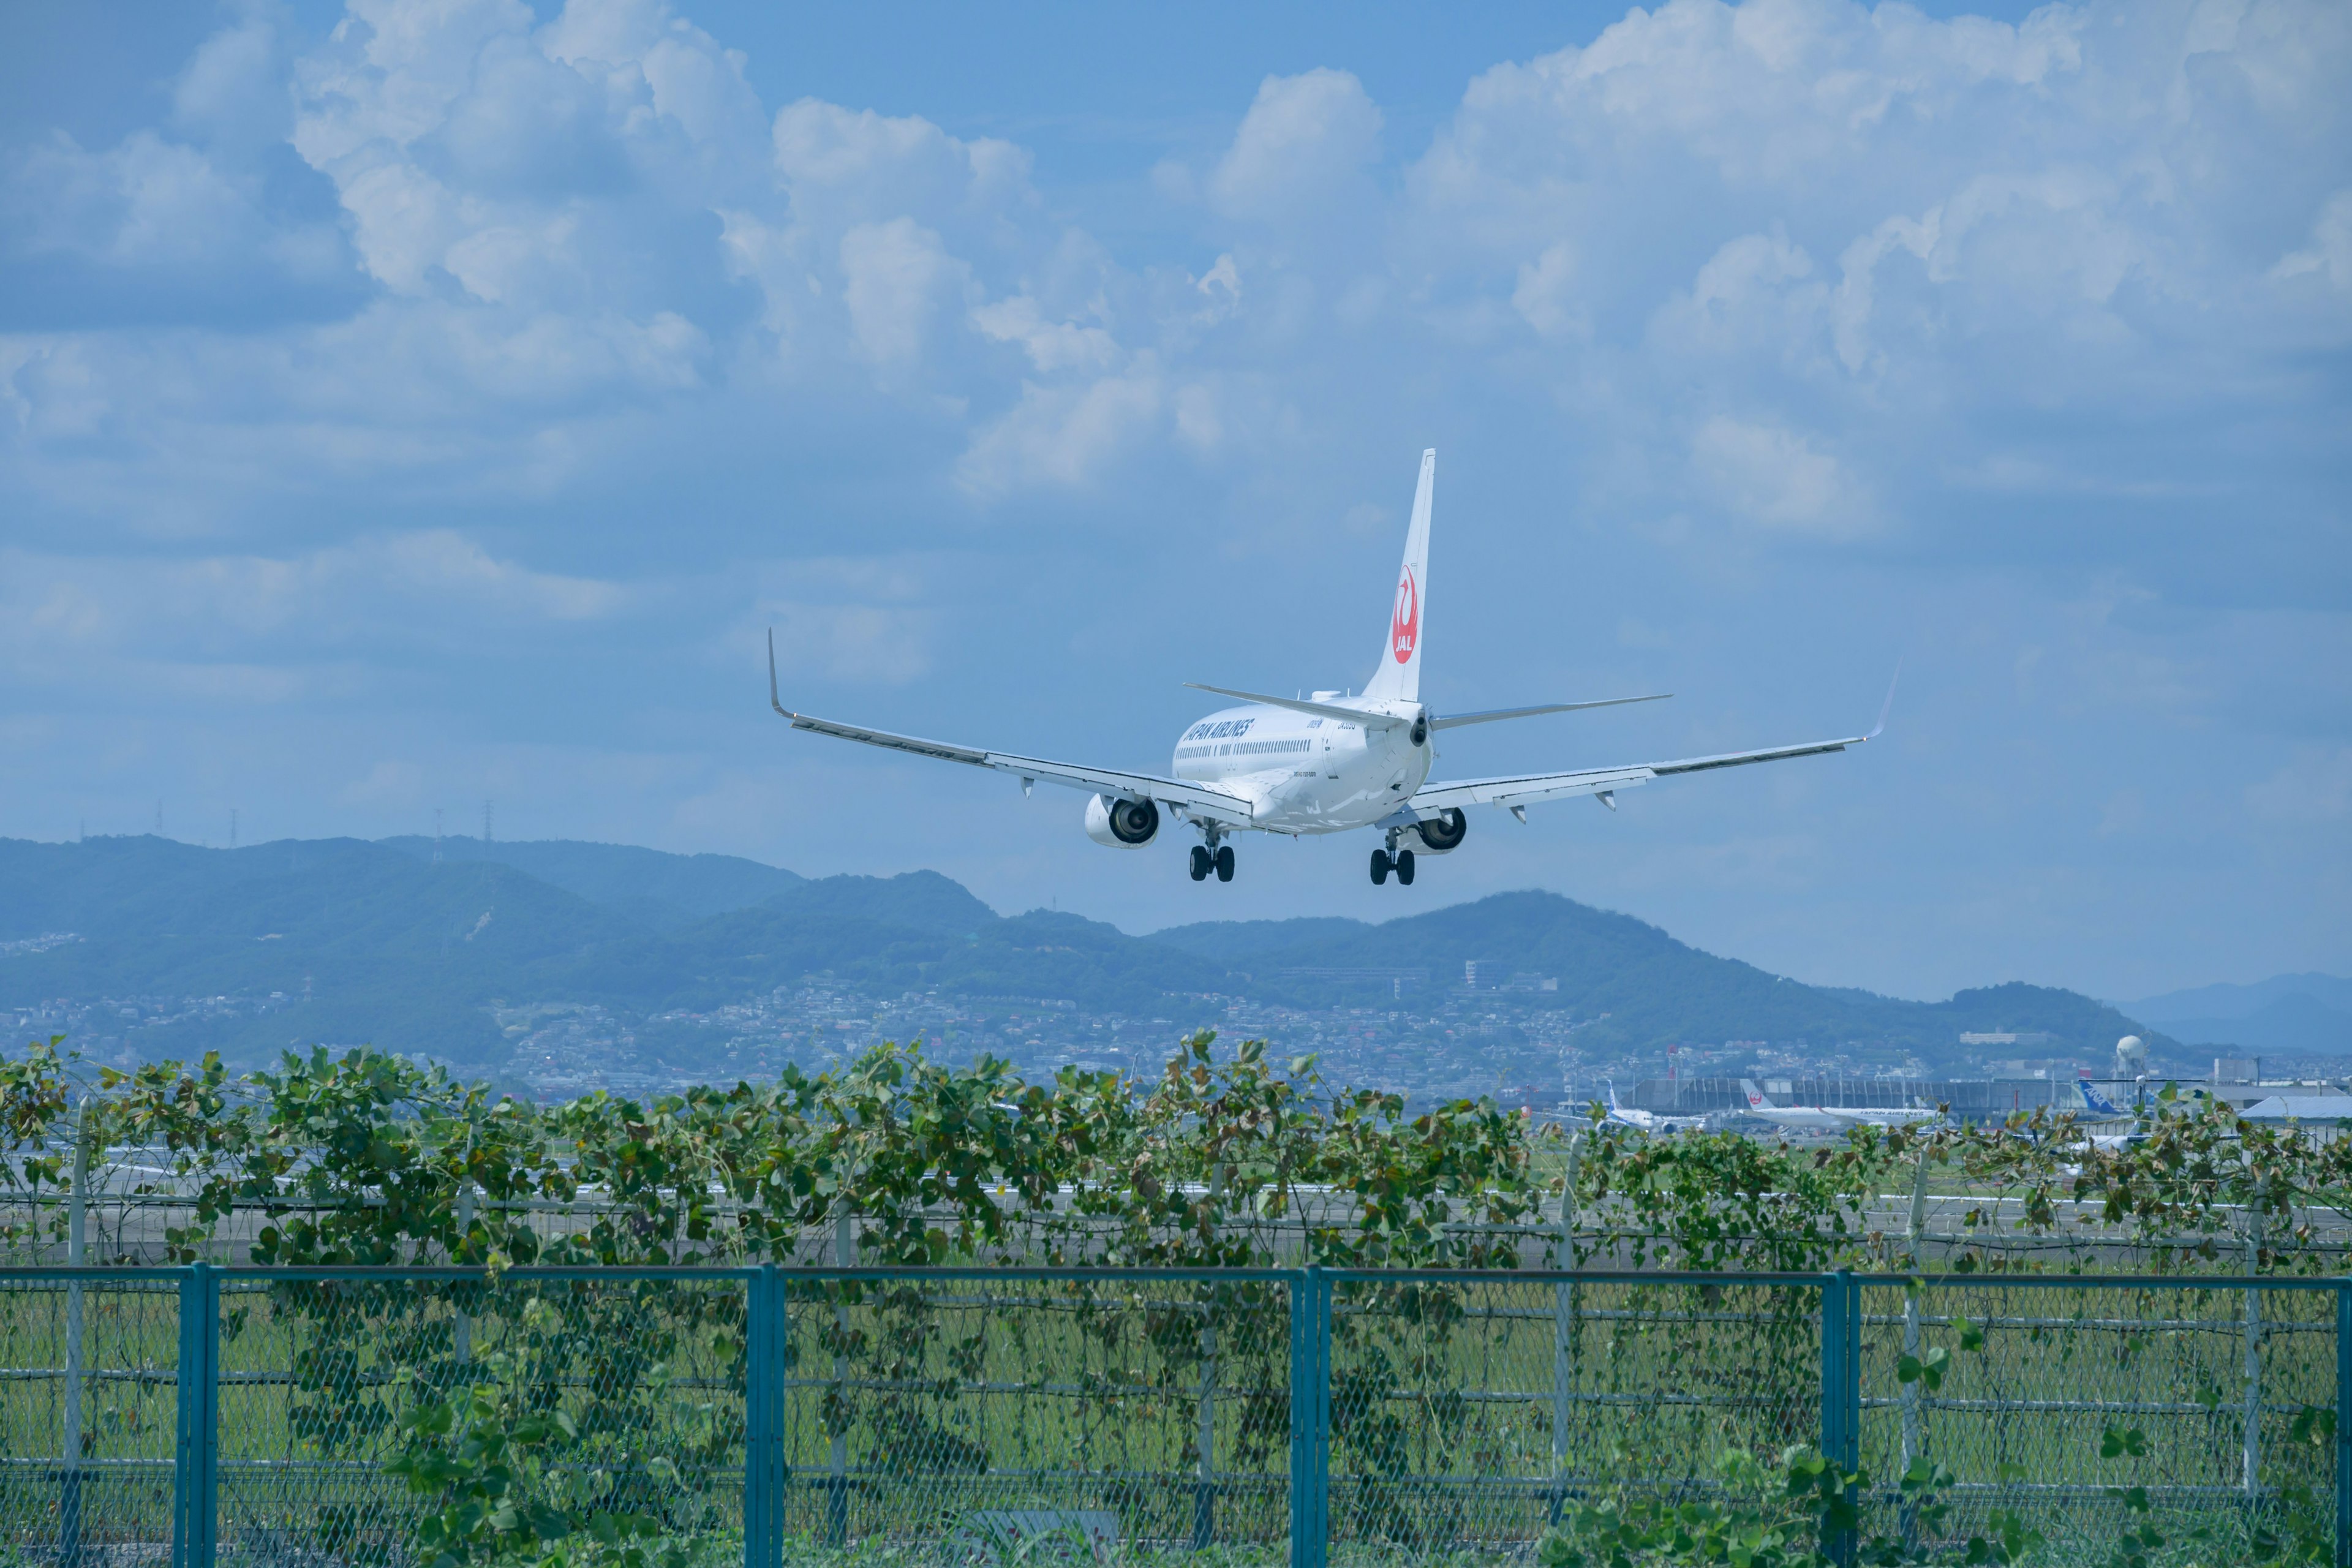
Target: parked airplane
[
  {"x": 1646, "y": 1121},
  {"x": 2102, "y": 1108},
  {"x": 1827, "y": 1119},
  {"x": 1326, "y": 763},
  {"x": 2098, "y": 1104}
]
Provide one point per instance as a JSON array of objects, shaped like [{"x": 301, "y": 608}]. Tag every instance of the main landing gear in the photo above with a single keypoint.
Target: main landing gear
[
  {"x": 1205, "y": 860},
  {"x": 1401, "y": 863}
]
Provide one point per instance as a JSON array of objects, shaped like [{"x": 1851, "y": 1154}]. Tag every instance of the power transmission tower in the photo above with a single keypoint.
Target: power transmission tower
[
  {"x": 232, "y": 828},
  {"x": 436, "y": 836},
  {"x": 486, "y": 822}
]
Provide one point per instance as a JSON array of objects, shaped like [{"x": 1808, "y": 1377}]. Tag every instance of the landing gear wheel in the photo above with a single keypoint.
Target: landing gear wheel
[
  {"x": 1200, "y": 862},
  {"x": 1380, "y": 866},
  {"x": 1224, "y": 862},
  {"x": 1405, "y": 867}
]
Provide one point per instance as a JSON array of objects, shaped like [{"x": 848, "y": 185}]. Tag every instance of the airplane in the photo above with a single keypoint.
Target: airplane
[
  {"x": 1645, "y": 1120},
  {"x": 1825, "y": 1119},
  {"x": 2098, "y": 1104},
  {"x": 1329, "y": 762},
  {"x": 2102, "y": 1108}
]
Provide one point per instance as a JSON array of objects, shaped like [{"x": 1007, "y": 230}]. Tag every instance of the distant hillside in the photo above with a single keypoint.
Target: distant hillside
[
  {"x": 1652, "y": 988},
  {"x": 388, "y": 948},
  {"x": 647, "y": 885},
  {"x": 1245, "y": 942},
  {"x": 375, "y": 941},
  {"x": 2290, "y": 1014}
]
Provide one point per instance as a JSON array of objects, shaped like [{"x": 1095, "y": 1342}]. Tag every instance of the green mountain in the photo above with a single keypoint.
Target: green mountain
[
  {"x": 647, "y": 885},
  {"x": 1652, "y": 988},
  {"x": 383, "y": 946},
  {"x": 379, "y": 943}
]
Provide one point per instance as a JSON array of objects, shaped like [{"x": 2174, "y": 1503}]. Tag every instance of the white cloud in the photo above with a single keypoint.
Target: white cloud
[
  {"x": 57, "y": 610},
  {"x": 2330, "y": 255},
  {"x": 1304, "y": 146},
  {"x": 1778, "y": 479},
  {"x": 2314, "y": 790},
  {"x": 1544, "y": 295},
  {"x": 896, "y": 278},
  {"x": 147, "y": 202},
  {"x": 1068, "y": 436},
  {"x": 1050, "y": 345}
]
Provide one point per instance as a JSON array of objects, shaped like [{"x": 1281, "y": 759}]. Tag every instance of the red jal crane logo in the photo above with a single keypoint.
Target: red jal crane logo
[{"x": 1404, "y": 627}]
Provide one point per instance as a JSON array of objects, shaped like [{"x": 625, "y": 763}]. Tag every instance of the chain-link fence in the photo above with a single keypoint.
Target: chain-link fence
[{"x": 303, "y": 1418}]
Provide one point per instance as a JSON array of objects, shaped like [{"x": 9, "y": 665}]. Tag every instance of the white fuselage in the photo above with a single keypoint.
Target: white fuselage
[
  {"x": 1803, "y": 1118},
  {"x": 1308, "y": 774}
]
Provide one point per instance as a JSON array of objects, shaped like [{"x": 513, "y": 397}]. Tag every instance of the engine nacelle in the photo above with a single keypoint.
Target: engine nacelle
[
  {"x": 1121, "y": 824},
  {"x": 1444, "y": 832}
]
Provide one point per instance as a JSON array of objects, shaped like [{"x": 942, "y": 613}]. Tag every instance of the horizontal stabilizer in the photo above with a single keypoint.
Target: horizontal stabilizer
[{"x": 1450, "y": 720}]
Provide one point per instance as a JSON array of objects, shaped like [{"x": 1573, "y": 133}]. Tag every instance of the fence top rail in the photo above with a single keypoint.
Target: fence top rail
[
  {"x": 621, "y": 1272},
  {"x": 1925, "y": 1280},
  {"x": 159, "y": 1274}
]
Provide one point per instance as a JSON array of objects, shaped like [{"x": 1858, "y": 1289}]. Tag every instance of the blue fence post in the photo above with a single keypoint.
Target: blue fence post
[
  {"x": 1310, "y": 1418},
  {"x": 762, "y": 1503},
  {"x": 195, "y": 1474},
  {"x": 2344, "y": 1424},
  {"x": 1841, "y": 1394}
]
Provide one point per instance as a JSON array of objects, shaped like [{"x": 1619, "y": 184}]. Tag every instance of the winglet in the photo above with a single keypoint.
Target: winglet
[
  {"x": 775, "y": 700},
  {"x": 1888, "y": 706}
]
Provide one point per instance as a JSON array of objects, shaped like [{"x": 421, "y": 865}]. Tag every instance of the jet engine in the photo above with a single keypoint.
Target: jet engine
[
  {"x": 1122, "y": 823},
  {"x": 1442, "y": 832}
]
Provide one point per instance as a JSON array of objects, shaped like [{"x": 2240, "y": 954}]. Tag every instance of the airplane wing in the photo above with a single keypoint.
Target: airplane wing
[
  {"x": 1207, "y": 800},
  {"x": 1527, "y": 789}
]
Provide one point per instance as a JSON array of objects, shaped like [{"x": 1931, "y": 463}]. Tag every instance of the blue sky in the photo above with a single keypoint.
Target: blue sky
[{"x": 433, "y": 401}]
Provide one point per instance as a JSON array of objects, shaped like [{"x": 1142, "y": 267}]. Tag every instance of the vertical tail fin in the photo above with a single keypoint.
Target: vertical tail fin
[
  {"x": 1756, "y": 1101},
  {"x": 2098, "y": 1104},
  {"x": 1398, "y": 677}
]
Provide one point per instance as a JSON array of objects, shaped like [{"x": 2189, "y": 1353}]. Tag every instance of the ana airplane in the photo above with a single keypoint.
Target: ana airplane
[
  {"x": 1825, "y": 1119},
  {"x": 2098, "y": 1104},
  {"x": 2102, "y": 1108},
  {"x": 1329, "y": 762}
]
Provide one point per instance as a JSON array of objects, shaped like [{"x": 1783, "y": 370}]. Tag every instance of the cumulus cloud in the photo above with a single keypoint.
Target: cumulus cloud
[
  {"x": 1068, "y": 436},
  {"x": 2314, "y": 790},
  {"x": 1304, "y": 147},
  {"x": 59, "y": 608},
  {"x": 896, "y": 277},
  {"x": 1779, "y": 479},
  {"x": 2329, "y": 257}
]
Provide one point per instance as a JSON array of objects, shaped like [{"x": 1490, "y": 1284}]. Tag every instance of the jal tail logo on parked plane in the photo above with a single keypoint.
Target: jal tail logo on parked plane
[{"x": 1404, "y": 629}]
